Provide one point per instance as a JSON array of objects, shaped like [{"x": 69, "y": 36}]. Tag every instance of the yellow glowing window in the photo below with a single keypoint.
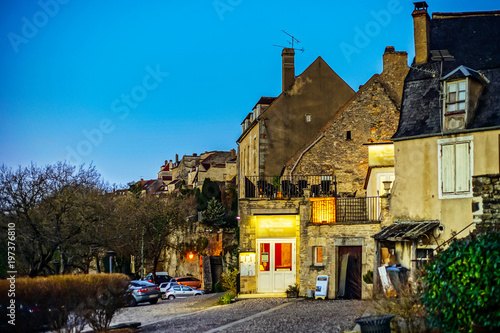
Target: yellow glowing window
[
  {"x": 323, "y": 210},
  {"x": 318, "y": 255}
]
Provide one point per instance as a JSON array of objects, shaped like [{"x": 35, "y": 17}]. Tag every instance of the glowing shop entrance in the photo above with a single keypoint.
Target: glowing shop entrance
[{"x": 276, "y": 262}]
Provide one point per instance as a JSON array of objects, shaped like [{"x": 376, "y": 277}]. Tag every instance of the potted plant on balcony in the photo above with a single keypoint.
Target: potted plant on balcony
[
  {"x": 277, "y": 186},
  {"x": 292, "y": 291}
]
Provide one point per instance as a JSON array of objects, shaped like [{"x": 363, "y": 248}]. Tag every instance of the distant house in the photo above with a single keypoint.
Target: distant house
[
  {"x": 447, "y": 142},
  {"x": 192, "y": 170}
]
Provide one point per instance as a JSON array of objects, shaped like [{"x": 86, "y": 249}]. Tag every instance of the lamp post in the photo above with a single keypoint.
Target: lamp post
[{"x": 111, "y": 254}]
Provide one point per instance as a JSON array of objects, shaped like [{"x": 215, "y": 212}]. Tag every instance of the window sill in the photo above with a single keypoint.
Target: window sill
[{"x": 317, "y": 267}]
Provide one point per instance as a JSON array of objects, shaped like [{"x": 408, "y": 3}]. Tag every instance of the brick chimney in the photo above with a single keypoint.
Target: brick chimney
[
  {"x": 421, "y": 29},
  {"x": 288, "y": 70}
]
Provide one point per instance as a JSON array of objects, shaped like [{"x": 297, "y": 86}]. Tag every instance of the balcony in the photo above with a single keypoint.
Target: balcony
[
  {"x": 289, "y": 186},
  {"x": 345, "y": 210}
]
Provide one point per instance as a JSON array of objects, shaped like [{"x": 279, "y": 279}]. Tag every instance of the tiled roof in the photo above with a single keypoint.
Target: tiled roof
[
  {"x": 473, "y": 42},
  {"x": 265, "y": 100},
  {"x": 405, "y": 230}
]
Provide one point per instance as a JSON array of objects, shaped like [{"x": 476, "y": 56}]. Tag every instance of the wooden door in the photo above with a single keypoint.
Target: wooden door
[{"x": 353, "y": 272}]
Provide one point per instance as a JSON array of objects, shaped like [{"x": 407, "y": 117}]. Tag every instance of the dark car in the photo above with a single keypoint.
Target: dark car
[
  {"x": 143, "y": 291},
  {"x": 188, "y": 281},
  {"x": 160, "y": 277}
]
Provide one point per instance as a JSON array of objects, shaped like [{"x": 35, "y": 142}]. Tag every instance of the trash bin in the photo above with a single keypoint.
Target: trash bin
[{"x": 375, "y": 324}]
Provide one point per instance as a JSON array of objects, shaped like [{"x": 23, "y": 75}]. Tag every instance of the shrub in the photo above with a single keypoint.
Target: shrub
[
  {"x": 218, "y": 287},
  {"x": 226, "y": 298},
  {"x": 368, "y": 277},
  {"x": 230, "y": 280},
  {"x": 67, "y": 302},
  {"x": 462, "y": 285},
  {"x": 408, "y": 311}
]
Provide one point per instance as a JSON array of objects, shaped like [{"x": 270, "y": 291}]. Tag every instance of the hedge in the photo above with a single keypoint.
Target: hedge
[{"x": 66, "y": 302}]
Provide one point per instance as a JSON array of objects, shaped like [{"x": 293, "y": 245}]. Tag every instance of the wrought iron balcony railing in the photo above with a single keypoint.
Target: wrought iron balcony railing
[
  {"x": 345, "y": 210},
  {"x": 289, "y": 186}
]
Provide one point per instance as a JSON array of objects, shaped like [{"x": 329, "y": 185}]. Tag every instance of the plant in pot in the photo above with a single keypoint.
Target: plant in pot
[
  {"x": 277, "y": 185},
  {"x": 292, "y": 291}
]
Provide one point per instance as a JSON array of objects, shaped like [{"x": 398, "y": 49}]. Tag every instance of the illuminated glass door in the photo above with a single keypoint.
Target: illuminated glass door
[{"x": 276, "y": 265}]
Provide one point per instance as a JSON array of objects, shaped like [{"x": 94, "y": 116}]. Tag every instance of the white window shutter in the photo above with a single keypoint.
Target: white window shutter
[
  {"x": 448, "y": 168},
  {"x": 463, "y": 167}
]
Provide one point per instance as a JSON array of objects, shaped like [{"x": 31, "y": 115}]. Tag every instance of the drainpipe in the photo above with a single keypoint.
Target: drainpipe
[{"x": 302, "y": 154}]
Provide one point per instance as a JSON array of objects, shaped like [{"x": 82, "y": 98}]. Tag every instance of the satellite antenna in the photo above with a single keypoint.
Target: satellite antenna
[{"x": 294, "y": 40}]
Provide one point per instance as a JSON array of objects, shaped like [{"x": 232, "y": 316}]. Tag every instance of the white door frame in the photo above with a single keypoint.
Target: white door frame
[{"x": 273, "y": 281}]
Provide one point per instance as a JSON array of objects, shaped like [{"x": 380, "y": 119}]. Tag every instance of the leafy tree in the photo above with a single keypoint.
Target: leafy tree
[
  {"x": 462, "y": 285},
  {"x": 214, "y": 215}
]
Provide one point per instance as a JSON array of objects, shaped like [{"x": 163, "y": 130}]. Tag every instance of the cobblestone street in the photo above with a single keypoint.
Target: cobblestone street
[{"x": 198, "y": 314}]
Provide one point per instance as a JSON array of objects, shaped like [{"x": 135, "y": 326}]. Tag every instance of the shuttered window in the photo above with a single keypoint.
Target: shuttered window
[{"x": 455, "y": 162}]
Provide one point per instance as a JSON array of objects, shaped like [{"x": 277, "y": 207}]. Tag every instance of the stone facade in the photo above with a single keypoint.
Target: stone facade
[
  {"x": 307, "y": 102},
  {"x": 486, "y": 200},
  {"x": 372, "y": 115}
]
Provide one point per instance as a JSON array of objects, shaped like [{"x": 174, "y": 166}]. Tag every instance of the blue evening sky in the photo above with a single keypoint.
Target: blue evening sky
[{"x": 126, "y": 85}]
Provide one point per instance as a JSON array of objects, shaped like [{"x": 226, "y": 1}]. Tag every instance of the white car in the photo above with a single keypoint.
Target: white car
[
  {"x": 164, "y": 287},
  {"x": 178, "y": 290}
]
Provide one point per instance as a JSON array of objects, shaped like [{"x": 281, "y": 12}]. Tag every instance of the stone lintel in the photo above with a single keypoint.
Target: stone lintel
[{"x": 350, "y": 241}]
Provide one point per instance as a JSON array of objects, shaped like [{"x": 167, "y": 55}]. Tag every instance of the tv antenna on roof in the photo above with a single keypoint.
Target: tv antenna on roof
[{"x": 294, "y": 40}]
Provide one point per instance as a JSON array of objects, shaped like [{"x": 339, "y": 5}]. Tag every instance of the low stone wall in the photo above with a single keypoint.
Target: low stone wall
[{"x": 486, "y": 200}]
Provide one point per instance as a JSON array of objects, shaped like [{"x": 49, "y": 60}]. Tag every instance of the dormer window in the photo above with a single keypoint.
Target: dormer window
[
  {"x": 455, "y": 105},
  {"x": 462, "y": 89}
]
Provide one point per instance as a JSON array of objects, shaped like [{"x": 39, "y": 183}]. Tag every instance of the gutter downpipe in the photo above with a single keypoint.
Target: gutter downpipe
[{"x": 302, "y": 154}]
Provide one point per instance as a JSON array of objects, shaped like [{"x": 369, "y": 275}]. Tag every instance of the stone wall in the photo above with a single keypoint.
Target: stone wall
[
  {"x": 331, "y": 237},
  {"x": 486, "y": 201},
  {"x": 372, "y": 115}
]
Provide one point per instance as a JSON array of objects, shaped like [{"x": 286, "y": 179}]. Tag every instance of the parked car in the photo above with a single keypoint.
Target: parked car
[
  {"x": 164, "y": 287},
  {"x": 160, "y": 277},
  {"x": 188, "y": 281},
  {"x": 179, "y": 291},
  {"x": 144, "y": 291}
]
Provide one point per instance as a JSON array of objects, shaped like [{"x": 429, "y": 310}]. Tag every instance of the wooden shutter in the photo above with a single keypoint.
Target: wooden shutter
[
  {"x": 448, "y": 168},
  {"x": 462, "y": 160}
]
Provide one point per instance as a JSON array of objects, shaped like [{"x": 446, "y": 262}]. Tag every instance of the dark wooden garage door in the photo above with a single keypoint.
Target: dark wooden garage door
[{"x": 353, "y": 272}]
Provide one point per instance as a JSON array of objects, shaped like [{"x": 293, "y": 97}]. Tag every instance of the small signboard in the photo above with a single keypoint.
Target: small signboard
[{"x": 321, "y": 287}]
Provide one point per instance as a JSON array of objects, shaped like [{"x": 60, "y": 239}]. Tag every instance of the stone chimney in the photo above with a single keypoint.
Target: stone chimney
[
  {"x": 176, "y": 158},
  {"x": 395, "y": 68},
  {"x": 233, "y": 154},
  {"x": 288, "y": 69},
  {"x": 421, "y": 30}
]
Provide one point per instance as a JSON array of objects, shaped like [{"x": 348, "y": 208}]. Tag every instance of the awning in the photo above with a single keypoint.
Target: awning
[{"x": 399, "y": 231}]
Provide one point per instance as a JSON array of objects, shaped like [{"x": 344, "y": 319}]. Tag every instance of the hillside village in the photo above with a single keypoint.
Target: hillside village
[{"x": 336, "y": 182}]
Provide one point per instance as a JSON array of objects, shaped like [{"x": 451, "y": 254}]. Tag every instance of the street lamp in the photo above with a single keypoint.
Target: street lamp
[{"x": 110, "y": 254}]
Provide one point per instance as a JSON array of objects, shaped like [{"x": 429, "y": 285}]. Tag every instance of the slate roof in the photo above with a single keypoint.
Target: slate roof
[
  {"x": 473, "y": 42},
  {"x": 405, "y": 230}
]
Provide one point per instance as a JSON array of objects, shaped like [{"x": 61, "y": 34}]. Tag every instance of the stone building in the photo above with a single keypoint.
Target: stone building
[
  {"x": 278, "y": 127},
  {"x": 291, "y": 229},
  {"x": 446, "y": 146},
  {"x": 192, "y": 170}
]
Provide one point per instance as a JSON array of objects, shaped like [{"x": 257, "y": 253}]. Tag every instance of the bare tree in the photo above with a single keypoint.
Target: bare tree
[{"x": 51, "y": 207}]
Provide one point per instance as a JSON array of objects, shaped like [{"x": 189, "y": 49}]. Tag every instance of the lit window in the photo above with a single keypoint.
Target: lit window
[
  {"x": 308, "y": 118},
  {"x": 323, "y": 210},
  {"x": 318, "y": 255}
]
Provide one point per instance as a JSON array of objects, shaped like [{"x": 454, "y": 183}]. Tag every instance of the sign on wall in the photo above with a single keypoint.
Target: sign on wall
[{"x": 247, "y": 264}]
